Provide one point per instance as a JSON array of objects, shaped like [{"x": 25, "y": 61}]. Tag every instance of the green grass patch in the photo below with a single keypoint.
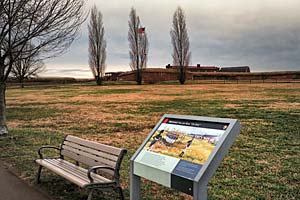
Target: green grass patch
[
  {"x": 30, "y": 113},
  {"x": 263, "y": 162},
  {"x": 114, "y": 91}
]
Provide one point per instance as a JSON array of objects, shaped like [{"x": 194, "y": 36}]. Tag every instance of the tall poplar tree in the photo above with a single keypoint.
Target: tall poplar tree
[
  {"x": 138, "y": 46},
  {"x": 97, "y": 45},
  {"x": 180, "y": 41}
]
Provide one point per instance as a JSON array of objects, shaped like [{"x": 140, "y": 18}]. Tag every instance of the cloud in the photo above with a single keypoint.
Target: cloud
[{"x": 264, "y": 34}]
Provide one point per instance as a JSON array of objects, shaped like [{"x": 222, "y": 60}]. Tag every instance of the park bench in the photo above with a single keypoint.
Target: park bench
[{"x": 90, "y": 165}]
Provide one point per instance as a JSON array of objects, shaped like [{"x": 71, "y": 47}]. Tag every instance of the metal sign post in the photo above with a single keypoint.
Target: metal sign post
[{"x": 182, "y": 152}]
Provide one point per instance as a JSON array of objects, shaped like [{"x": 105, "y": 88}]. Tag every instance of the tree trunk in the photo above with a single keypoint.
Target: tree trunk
[
  {"x": 139, "y": 81},
  {"x": 181, "y": 76},
  {"x": 99, "y": 80},
  {"x": 22, "y": 83},
  {"x": 3, "y": 127},
  {"x": 139, "y": 77}
]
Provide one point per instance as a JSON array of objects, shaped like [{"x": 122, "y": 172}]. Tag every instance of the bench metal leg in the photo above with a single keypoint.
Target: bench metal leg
[
  {"x": 39, "y": 174},
  {"x": 90, "y": 195},
  {"x": 120, "y": 191}
]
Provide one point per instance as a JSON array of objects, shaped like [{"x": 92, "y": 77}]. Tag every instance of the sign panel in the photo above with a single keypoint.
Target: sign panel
[{"x": 180, "y": 148}]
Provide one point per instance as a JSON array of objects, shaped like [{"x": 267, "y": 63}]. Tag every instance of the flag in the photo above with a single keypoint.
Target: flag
[{"x": 141, "y": 30}]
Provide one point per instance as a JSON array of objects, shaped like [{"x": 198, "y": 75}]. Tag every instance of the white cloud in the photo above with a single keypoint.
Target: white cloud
[{"x": 264, "y": 34}]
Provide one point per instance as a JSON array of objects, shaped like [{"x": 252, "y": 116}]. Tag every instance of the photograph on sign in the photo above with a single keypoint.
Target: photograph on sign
[{"x": 185, "y": 140}]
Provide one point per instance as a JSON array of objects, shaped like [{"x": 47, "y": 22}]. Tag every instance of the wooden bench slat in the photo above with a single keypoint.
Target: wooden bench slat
[
  {"x": 68, "y": 168},
  {"x": 62, "y": 173},
  {"x": 85, "y": 160},
  {"x": 74, "y": 169},
  {"x": 92, "y": 151},
  {"x": 95, "y": 145},
  {"x": 91, "y": 156},
  {"x": 71, "y": 172}
]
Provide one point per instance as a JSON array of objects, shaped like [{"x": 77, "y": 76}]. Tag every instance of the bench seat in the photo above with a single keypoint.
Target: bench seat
[{"x": 71, "y": 172}]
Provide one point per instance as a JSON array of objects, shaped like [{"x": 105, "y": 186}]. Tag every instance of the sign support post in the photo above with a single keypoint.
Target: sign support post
[
  {"x": 135, "y": 184},
  {"x": 200, "y": 192}
]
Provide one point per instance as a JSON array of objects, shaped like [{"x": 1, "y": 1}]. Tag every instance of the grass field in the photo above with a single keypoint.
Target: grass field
[{"x": 263, "y": 163}]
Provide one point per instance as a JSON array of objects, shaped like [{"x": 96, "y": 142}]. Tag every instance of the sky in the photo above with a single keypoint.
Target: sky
[{"x": 262, "y": 34}]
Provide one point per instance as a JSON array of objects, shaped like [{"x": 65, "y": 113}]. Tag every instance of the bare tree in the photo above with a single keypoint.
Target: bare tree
[
  {"x": 97, "y": 45},
  {"x": 180, "y": 41},
  {"x": 138, "y": 46},
  {"x": 50, "y": 26},
  {"x": 29, "y": 66}
]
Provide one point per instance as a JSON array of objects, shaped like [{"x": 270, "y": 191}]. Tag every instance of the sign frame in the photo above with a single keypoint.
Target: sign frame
[{"x": 211, "y": 164}]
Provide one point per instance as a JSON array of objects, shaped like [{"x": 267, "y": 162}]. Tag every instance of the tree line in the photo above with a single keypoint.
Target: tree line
[
  {"x": 31, "y": 65},
  {"x": 138, "y": 45}
]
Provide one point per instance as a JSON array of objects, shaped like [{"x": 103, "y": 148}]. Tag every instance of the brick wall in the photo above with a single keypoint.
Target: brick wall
[
  {"x": 247, "y": 76},
  {"x": 154, "y": 76}
]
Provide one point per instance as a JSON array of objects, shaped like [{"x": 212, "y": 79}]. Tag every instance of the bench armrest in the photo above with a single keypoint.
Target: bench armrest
[
  {"x": 94, "y": 168},
  {"x": 46, "y": 147}
]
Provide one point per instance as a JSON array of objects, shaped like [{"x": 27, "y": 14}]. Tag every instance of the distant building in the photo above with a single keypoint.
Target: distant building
[
  {"x": 235, "y": 69},
  {"x": 112, "y": 76},
  {"x": 197, "y": 68},
  {"x": 154, "y": 75}
]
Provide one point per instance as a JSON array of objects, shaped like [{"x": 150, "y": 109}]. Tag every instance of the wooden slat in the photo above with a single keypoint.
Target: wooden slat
[
  {"x": 70, "y": 171},
  {"x": 92, "y": 151},
  {"x": 94, "y": 145},
  {"x": 68, "y": 168},
  {"x": 91, "y": 156},
  {"x": 61, "y": 172},
  {"x": 84, "y": 160},
  {"x": 80, "y": 158},
  {"x": 76, "y": 170}
]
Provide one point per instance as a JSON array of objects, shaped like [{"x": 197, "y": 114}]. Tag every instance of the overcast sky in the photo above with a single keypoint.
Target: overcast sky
[{"x": 262, "y": 34}]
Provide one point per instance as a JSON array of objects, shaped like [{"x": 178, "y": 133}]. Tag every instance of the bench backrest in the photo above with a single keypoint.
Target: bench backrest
[{"x": 92, "y": 153}]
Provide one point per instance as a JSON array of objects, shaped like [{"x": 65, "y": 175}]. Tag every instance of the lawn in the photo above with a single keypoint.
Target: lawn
[{"x": 263, "y": 162}]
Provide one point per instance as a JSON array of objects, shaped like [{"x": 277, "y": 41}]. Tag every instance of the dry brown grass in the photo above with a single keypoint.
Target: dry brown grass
[
  {"x": 88, "y": 107},
  {"x": 123, "y": 115}
]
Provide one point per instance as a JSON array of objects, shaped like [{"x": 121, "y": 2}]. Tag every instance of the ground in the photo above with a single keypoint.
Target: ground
[{"x": 263, "y": 162}]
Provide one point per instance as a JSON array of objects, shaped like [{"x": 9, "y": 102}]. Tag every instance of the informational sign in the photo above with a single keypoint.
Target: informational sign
[{"x": 179, "y": 150}]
